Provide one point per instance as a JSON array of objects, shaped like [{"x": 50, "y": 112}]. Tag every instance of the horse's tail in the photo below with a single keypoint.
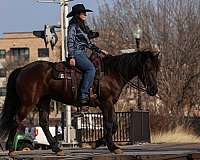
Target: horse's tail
[{"x": 11, "y": 104}]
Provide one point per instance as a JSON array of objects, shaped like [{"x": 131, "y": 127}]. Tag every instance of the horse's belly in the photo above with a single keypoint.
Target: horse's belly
[{"x": 61, "y": 91}]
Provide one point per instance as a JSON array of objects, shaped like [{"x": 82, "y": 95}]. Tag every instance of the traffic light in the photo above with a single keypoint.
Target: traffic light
[{"x": 49, "y": 35}]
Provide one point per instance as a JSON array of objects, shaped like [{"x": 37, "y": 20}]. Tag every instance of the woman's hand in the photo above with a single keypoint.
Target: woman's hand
[
  {"x": 104, "y": 52},
  {"x": 72, "y": 62}
]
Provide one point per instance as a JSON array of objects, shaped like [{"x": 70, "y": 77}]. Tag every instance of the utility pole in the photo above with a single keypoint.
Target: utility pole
[
  {"x": 64, "y": 25},
  {"x": 64, "y": 55}
]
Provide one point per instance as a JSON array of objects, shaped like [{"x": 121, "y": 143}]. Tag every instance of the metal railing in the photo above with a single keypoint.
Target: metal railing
[{"x": 133, "y": 127}]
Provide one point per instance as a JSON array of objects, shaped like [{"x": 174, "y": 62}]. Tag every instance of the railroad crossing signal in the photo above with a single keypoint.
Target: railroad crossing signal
[{"x": 48, "y": 34}]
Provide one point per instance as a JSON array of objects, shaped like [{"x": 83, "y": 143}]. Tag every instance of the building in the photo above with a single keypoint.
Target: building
[{"x": 20, "y": 48}]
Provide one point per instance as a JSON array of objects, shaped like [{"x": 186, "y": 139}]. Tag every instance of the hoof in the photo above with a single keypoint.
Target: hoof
[
  {"x": 60, "y": 153},
  {"x": 118, "y": 151},
  {"x": 12, "y": 154}
]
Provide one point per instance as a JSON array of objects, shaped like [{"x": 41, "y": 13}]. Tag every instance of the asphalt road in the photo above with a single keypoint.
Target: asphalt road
[{"x": 132, "y": 152}]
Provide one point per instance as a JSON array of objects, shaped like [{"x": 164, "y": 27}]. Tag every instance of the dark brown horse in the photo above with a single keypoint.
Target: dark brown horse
[{"x": 34, "y": 85}]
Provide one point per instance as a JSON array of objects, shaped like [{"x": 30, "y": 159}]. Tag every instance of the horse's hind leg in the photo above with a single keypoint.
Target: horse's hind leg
[
  {"x": 44, "y": 110},
  {"x": 21, "y": 115},
  {"x": 9, "y": 144}
]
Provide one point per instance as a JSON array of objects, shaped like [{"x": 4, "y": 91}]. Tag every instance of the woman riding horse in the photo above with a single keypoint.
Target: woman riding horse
[
  {"x": 34, "y": 85},
  {"x": 78, "y": 40},
  {"x": 41, "y": 86}
]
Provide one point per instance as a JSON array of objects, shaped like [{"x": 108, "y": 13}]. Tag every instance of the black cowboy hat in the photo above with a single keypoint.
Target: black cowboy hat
[{"x": 78, "y": 8}]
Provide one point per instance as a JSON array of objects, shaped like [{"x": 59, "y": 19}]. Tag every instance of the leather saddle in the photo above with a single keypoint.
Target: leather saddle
[{"x": 62, "y": 70}]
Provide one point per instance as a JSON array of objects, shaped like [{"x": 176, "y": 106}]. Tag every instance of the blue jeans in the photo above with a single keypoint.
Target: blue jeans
[{"x": 88, "y": 69}]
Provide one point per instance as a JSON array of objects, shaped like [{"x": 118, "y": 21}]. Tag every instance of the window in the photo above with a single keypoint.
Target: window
[
  {"x": 2, "y": 53},
  {"x": 43, "y": 52},
  {"x": 2, "y": 91},
  {"x": 20, "y": 55},
  {"x": 2, "y": 72}
]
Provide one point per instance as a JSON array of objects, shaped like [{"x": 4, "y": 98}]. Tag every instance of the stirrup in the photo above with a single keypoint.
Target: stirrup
[
  {"x": 81, "y": 110},
  {"x": 83, "y": 102},
  {"x": 92, "y": 96}
]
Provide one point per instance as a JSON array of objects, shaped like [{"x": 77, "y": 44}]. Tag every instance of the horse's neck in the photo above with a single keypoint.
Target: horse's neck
[
  {"x": 129, "y": 70},
  {"x": 126, "y": 70}
]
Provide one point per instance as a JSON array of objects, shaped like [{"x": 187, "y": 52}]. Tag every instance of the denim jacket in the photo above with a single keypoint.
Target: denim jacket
[{"x": 78, "y": 40}]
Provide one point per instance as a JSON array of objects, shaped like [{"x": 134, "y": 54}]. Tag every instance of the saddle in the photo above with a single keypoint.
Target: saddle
[{"x": 63, "y": 71}]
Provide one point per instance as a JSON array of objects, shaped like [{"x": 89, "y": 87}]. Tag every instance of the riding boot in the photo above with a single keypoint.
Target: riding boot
[
  {"x": 83, "y": 101},
  {"x": 86, "y": 100},
  {"x": 82, "y": 106}
]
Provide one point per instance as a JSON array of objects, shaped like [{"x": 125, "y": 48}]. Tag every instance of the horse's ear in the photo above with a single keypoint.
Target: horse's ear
[
  {"x": 158, "y": 56},
  {"x": 156, "y": 50}
]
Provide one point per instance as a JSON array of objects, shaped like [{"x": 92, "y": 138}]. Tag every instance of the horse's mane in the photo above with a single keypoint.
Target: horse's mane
[
  {"x": 122, "y": 62},
  {"x": 118, "y": 62}
]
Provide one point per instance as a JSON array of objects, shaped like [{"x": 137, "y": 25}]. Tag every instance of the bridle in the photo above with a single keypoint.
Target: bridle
[
  {"x": 132, "y": 84},
  {"x": 135, "y": 85}
]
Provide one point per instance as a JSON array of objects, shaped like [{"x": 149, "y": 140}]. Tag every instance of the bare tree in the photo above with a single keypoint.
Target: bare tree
[{"x": 175, "y": 27}]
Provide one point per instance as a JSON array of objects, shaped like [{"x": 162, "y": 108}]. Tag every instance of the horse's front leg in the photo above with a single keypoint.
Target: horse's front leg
[
  {"x": 102, "y": 141},
  {"x": 109, "y": 121},
  {"x": 44, "y": 123}
]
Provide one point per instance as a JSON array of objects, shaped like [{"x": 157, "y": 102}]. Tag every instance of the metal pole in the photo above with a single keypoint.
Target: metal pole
[
  {"x": 137, "y": 34},
  {"x": 68, "y": 107},
  {"x": 139, "y": 96},
  {"x": 68, "y": 124},
  {"x": 64, "y": 55},
  {"x": 138, "y": 80},
  {"x": 63, "y": 26}
]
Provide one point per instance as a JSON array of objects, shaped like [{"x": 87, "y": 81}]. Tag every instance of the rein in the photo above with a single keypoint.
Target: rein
[
  {"x": 132, "y": 84},
  {"x": 135, "y": 86}
]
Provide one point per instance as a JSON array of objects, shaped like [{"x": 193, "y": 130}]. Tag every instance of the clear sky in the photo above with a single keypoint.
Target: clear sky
[{"x": 29, "y": 15}]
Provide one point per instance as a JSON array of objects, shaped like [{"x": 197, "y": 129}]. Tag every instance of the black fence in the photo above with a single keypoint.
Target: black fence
[{"x": 133, "y": 127}]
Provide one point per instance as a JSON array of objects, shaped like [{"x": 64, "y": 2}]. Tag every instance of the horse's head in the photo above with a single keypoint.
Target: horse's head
[{"x": 150, "y": 64}]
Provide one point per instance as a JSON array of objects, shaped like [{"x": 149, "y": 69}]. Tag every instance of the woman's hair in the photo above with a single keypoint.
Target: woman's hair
[{"x": 76, "y": 19}]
